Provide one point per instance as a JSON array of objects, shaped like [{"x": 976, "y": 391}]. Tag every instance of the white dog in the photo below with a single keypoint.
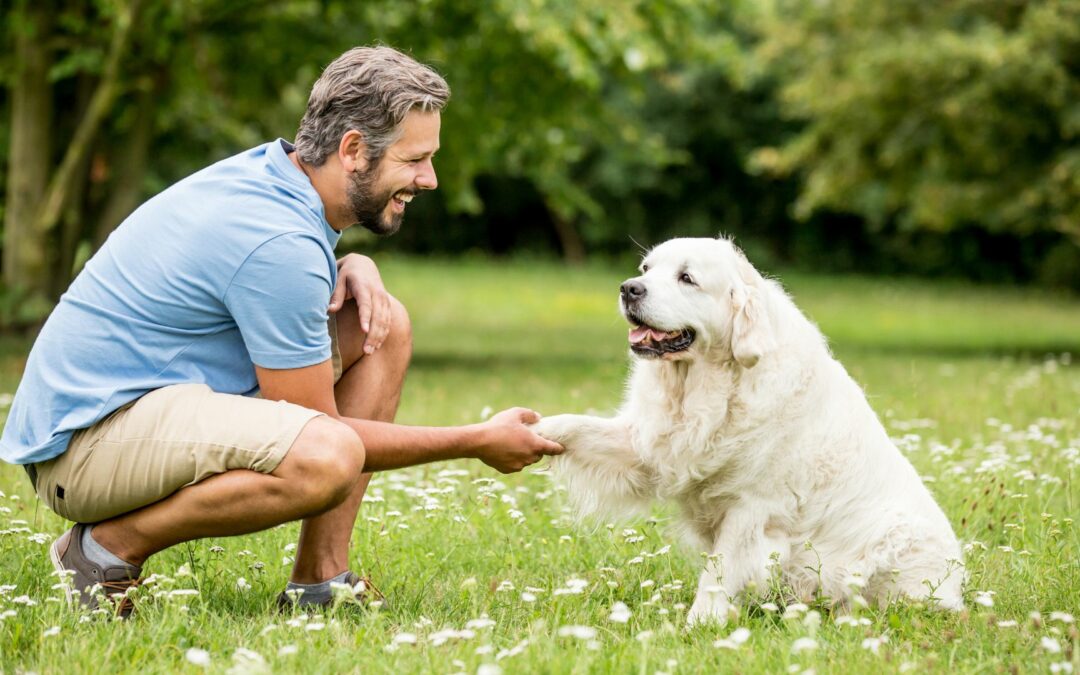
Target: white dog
[{"x": 737, "y": 411}]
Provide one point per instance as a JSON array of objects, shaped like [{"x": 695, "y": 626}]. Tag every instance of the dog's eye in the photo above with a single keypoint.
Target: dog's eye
[
  {"x": 644, "y": 269},
  {"x": 687, "y": 279}
]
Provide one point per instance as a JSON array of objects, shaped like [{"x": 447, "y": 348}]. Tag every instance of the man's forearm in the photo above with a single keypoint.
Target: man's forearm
[{"x": 393, "y": 446}]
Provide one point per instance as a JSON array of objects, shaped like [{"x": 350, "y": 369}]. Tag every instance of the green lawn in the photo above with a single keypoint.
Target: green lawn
[{"x": 976, "y": 385}]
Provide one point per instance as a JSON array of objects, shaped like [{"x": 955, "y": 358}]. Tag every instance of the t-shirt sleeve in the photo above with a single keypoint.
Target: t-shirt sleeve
[{"x": 279, "y": 298}]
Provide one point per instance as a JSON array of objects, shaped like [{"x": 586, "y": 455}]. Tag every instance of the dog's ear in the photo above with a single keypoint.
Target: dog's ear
[{"x": 751, "y": 330}]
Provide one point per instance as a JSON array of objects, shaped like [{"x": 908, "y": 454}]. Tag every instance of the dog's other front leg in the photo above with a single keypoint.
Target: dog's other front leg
[
  {"x": 601, "y": 471},
  {"x": 740, "y": 557}
]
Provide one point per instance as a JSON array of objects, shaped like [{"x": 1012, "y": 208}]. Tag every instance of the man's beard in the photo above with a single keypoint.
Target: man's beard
[{"x": 369, "y": 208}]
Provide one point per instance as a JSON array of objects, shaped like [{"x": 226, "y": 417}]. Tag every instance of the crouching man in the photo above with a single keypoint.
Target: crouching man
[{"x": 215, "y": 370}]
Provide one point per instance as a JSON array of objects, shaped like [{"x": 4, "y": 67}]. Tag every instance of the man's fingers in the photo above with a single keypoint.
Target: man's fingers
[
  {"x": 337, "y": 298},
  {"x": 363, "y": 305},
  {"x": 551, "y": 448},
  {"x": 380, "y": 322},
  {"x": 528, "y": 416}
]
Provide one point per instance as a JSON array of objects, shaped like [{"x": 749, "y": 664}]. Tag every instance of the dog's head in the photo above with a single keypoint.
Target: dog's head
[{"x": 697, "y": 297}]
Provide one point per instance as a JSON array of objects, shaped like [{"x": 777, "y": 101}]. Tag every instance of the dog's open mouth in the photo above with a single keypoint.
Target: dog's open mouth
[{"x": 648, "y": 341}]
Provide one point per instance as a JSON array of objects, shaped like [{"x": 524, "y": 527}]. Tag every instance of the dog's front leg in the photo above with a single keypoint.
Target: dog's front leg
[
  {"x": 600, "y": 469},
  {"x": 741, "y": 556}
]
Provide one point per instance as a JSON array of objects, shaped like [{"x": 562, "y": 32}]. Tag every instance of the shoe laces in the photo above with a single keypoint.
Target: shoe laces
[{"x": 124, "y": 604}]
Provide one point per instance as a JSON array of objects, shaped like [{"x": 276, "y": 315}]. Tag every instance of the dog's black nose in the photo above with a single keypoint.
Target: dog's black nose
[{"x": 632, "y": 290}]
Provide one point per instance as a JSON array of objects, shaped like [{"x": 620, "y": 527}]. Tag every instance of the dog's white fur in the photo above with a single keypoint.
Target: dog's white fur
[{"x": 765, "y": 442}]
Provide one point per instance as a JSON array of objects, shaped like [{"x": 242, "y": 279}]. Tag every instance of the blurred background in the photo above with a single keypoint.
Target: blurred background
[{"x": 902, "y": 137}]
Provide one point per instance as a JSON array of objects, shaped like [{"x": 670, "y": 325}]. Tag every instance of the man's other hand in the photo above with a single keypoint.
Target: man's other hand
[
  {"x": 359, "y": 279},
  {"x": 508, "y": 444}
]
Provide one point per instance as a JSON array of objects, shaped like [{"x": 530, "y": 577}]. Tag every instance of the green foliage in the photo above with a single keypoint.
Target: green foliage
[
  {"x": 925, "y": 138},
  {"x": 936, "y": 115}
]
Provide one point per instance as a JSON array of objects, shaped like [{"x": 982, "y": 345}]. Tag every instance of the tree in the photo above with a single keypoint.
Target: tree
[{"x": 934, "y": 115}]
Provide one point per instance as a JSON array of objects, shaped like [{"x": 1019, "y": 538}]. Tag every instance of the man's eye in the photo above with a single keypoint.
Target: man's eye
[{"x": 687, "y": 279}]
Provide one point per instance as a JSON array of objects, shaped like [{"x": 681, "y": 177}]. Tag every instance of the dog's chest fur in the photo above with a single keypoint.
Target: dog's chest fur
[{"x": 689, "y": 425}]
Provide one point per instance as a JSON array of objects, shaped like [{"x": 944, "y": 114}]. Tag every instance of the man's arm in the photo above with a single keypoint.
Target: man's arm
[{"x": 504, "y": 442}]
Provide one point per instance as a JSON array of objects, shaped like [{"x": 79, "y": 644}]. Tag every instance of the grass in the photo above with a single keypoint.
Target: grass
[{"x": 976, "y": 384}]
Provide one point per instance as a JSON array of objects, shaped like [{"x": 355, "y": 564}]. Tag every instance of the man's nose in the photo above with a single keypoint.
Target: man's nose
[
  {"x": 632, "y": 290},
  {"x": 425, "y": 177}
]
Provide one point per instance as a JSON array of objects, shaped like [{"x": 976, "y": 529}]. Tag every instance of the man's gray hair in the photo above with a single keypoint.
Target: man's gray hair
[{"x": 371, "y": 90}]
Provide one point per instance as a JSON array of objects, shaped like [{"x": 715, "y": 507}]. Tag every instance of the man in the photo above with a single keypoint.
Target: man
[{"x": 137, "y": 416}]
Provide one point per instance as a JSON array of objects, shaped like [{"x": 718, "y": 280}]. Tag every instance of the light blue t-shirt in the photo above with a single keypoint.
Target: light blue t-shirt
[{"x": 230, "y": 267}]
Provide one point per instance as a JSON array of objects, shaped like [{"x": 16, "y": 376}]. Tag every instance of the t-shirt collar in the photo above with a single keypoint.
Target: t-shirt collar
[{"x": 278, "y": 152}]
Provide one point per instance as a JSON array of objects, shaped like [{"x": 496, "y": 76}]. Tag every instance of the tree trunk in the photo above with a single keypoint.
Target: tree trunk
[
  {"x": 570, "y": 241},
  {"x": 66, "y": 177},
  {"x": 73, "y": 223},
  {"x": 29, "y": 155},
  {"x": 130, "y": 162}
]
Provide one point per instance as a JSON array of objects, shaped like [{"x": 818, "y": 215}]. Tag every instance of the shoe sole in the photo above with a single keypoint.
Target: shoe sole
[{"x": 63, "y": 571}]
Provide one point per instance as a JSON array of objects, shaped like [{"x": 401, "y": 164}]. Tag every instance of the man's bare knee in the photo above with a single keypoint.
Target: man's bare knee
[
  {"x": 400, "y": 338},
  {"x": 324, "y": 462}
]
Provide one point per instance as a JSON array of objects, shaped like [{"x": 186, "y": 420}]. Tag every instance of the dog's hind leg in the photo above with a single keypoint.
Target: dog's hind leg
[{"x": 601, "y": 471}]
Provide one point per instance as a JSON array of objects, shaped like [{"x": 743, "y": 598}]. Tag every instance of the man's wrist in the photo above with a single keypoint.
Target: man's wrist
[{"x": 472, "y": 438}]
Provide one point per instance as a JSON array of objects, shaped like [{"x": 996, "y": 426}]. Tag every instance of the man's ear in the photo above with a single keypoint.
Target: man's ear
[
  {"x": 352, "y": 151},
  {"x": 751, "y": 332}
]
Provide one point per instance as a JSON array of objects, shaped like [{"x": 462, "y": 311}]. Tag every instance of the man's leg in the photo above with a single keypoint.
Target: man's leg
[
  {"x": 369, "y": 388},
  {"x": 318, "y": 473}
]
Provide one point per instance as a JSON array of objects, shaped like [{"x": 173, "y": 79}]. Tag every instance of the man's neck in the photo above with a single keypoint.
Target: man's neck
[{"x": 313, "y": 176}]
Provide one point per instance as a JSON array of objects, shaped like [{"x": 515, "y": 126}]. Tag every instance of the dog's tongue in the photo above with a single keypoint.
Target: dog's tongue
[{"x": 641, "y": 333}]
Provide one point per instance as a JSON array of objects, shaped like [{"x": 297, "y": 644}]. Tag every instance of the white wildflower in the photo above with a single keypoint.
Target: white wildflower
[
  {"x": 873, "y": 644},
  {"x": 737, "y": 637},
  {"x": 984, "y": 598},
  {"x": 198, "y": 657},
  {"x": 513, "y": 651},
  {"x": 579, "y": 632},
  {"x": 1050, "y": 645},
  {"x": 803, "y": 644},
  {"x": 247, "y": 661},
  {"x": 620, "y": 613}
]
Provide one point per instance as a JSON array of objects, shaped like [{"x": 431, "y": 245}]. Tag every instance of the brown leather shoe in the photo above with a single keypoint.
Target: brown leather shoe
[
  {"x": 363, "y": 592},
  {"x": 86, "y": 577}
]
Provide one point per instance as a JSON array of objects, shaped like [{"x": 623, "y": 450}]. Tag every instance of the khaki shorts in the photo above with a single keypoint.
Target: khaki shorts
[{"x": 166, "y": 440}]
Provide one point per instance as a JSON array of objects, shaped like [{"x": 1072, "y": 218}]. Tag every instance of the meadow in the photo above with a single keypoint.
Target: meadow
[{"x": 486, "y": 573}]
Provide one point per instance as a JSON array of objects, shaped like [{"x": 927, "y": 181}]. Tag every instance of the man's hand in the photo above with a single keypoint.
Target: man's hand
[
  {"x": 509, "y": 445},
  {"x": 359, "y": 279}
]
